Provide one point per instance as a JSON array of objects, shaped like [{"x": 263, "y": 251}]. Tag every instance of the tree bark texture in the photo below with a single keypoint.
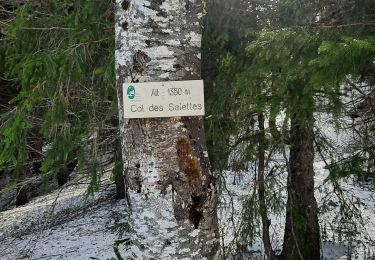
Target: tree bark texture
[
  {"x": 170, "y": 186},
  {"x": 119, "y": 178},
  {"x": 23, "y": 192},
  {"x": 65, "y": 170},
  {"x": 301, "y": 238}
]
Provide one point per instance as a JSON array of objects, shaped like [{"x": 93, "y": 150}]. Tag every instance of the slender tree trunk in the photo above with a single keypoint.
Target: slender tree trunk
[
  {"x": 169, "y": 183},
  {"x": 261, "y": 191},
  {"x": 23, "y": 194},
  {"x": 119, "y": 177},
  {"x": 34, "y": 146},
  {"x": 301, "y": 238},
  {"x": 66, "y": 170}
]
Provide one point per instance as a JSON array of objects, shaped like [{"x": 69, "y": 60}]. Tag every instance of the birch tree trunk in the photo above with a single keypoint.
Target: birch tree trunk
[{"x": 169, "y": 183}]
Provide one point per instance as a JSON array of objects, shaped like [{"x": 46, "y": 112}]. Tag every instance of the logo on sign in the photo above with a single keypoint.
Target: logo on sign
[{"x": 131, "y": 92}]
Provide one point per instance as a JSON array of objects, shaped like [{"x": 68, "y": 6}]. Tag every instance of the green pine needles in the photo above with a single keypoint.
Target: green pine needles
[{"x": 59, "y": 56}]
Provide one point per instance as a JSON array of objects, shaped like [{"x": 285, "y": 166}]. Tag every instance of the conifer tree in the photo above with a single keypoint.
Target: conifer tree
[
  {"x": 302, "y": 55},
  {"x": 58, "y": 56}
]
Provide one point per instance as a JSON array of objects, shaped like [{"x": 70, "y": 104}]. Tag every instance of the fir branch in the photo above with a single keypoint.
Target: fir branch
[{"x": 330, "y": 26}]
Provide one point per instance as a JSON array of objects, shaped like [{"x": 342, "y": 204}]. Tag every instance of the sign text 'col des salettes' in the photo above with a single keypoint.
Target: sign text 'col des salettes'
[{"x": 163, "y": 99}]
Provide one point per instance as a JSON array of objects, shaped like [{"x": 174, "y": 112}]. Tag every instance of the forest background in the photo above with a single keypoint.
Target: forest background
[{"x": 270, "y": 69}]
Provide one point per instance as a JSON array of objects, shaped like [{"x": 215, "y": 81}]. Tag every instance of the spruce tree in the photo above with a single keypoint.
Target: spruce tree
[
  {"x": 309, "y": 50},
  {"x": 58, "y": 56}
]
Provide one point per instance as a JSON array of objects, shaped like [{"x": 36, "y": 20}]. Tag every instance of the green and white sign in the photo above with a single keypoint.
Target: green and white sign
[
  {"x": 163, "y": 99},
  {"x": 131, "y": 92}
]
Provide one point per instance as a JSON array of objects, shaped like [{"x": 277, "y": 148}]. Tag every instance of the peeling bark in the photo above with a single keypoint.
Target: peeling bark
[{"x": 169, "y": 183}]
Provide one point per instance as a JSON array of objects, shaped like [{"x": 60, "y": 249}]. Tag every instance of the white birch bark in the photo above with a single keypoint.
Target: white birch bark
[{"x": 170, "y": 186}]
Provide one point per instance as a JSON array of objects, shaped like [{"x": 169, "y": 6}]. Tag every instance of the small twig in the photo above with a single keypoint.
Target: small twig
[{"x": 47, "y": 28}]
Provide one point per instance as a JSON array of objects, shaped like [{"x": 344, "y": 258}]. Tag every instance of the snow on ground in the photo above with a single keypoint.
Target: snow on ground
[
  {"x": 347, "y": 233},
  {"x": 337, "y": 243},
  {"x": 88, "y": 236},
  {"x": 67, "y": 224},
  {"x": 349, "y": 237}
]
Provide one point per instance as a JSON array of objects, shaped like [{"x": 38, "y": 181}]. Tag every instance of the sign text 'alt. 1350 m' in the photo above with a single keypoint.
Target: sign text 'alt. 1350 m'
[{"x": 163, "y": 99}]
